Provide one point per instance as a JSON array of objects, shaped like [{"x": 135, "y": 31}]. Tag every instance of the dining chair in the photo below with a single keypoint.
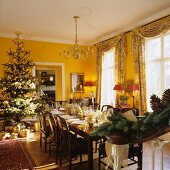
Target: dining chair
[
  {"x": 54, "y": 137},
  {"x": 107, "y": 107},
  {"x": 71, "y": 146},
  {"x": 60, "y": 104},
  {"x": 96, "y": 106},
  {"x": 44, "y": 130},
  {"x": 103, "y": 109}
]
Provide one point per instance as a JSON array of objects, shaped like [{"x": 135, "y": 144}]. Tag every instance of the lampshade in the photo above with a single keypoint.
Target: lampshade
[
  {"x": 133, "y": 87},
  {"x": 89, "y": 83},
  {"x": 118, "y": 87}
]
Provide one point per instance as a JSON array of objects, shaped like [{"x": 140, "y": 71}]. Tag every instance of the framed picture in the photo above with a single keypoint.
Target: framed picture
[
  {"x": 51, "y": 77},
  {"x": 43, "y": 74},
  {"x": 77, "y": 82}
]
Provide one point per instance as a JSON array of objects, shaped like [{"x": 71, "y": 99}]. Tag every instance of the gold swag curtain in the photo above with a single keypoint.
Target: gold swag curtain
[
  {"x": 120, "y": 44},
  {"x": 138, "y": 44}
]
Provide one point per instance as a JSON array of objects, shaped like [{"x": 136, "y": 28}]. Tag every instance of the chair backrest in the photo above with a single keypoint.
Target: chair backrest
[
  {"x": 60, "y": 103},
  {"x": 42, "y": 119},
  {"x": 107, "y": 107},
  {"x": 96, "y": 106},
  {"x": 65, "y": 137},
  {"x": 53, "y": 124}
]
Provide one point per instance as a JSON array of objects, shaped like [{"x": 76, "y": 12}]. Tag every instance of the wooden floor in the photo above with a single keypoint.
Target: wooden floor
[{"x": 44, "y": 162}]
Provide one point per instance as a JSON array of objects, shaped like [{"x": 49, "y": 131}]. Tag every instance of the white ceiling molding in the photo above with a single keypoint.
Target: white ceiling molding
[{"x": 138, "y": 24}]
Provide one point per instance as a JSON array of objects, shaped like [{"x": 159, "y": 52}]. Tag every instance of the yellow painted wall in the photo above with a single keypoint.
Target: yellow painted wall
[
  {"x": 129, "y": 66},
  {"x": 129, "y": 59},
  {"x": 49, "y": 52}
]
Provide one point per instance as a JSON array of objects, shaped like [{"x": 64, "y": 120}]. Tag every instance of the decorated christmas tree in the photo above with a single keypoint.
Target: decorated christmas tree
[{"x": 17, "y": 85}]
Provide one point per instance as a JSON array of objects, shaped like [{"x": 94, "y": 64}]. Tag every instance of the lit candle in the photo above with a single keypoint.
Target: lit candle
[
  {"x": 92, "y": 99},
  {"x": 80, "y": 87}
]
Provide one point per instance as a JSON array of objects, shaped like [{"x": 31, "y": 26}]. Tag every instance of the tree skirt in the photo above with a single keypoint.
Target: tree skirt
[{"x": 14, "y": 156}]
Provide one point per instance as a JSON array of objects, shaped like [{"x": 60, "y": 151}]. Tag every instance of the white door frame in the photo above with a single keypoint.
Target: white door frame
[{"x": 53, "y": 64}]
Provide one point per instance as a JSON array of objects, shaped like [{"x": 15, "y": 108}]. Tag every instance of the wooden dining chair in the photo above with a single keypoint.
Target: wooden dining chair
[
  {"x": 60, "y": 104},
  {"x": 71, "y": 146},
  {"x": 96, "y": 106},
  {"x": 44, "y": 130},
  {"x": 107, "y": 107},
  {"x": 54, "y": 137}
]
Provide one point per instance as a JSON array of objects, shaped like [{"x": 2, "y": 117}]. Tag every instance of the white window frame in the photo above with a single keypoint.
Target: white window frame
[
  {"x": 160, "y": 60},
  {"x": 112, "y": 102}
]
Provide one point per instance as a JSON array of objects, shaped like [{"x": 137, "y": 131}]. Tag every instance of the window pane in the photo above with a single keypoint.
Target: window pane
[
  {"x": 167, "y": 46},
  {"x": 107, "y": 93},
  {"x": 153, "y": 49},
  {"x": 167, "y": 75},
  {"x": 152, "y": 81},
  {"x": 108, "y": 59}
]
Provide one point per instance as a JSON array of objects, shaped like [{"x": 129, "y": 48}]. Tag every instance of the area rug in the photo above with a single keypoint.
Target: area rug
[{"x": 14, "y": 156}]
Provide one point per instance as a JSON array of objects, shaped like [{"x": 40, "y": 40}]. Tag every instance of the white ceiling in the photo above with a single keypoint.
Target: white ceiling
[{"x": 52, "y": 20}]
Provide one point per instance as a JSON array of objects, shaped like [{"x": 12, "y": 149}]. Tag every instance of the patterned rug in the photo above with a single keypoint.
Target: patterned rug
[{"x": 14, "y": 156}]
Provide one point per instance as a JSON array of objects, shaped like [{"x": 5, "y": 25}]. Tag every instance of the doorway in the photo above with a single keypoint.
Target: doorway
[{"x": 52, "y": 79}]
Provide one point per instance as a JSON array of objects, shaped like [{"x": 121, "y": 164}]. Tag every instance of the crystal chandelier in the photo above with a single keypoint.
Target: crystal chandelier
[{"x": 76, "y": 52}]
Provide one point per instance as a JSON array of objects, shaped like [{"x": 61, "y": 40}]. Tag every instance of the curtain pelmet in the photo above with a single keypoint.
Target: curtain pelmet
[
  {"x": 155, "y": 28},
  {"x": 120, "y": 44}
]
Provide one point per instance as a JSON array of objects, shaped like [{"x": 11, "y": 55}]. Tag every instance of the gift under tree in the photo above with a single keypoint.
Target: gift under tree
[{"x": 18, "y": 85}]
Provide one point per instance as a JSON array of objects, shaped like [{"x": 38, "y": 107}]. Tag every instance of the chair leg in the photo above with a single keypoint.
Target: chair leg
[
  {"x": 45, "y": 144},
  {"x": 61, "y": 155},
  {"x": 70, "y": 161},
  {"x": 49, "y": 148},
  {"x": 80, "y": 157},
  {"x": 56, "y": 154},
  {"x": 140, "y": 155},
  {"x": 99, "y": 165},
  {"x": 40, "y": 139},
  {"x": 95, "y": 149}
]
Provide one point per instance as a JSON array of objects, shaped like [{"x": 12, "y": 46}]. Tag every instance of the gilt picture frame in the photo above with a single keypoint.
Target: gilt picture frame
[{"x": 77, "y": 82}]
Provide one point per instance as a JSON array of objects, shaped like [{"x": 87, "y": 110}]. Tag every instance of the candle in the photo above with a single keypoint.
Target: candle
[
  {"x": 80, "y": 87},
  {"x": 92, "y": 99}
]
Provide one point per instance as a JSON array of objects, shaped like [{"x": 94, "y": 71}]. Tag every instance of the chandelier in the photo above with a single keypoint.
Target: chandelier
[{"x": 76, "y": 52}]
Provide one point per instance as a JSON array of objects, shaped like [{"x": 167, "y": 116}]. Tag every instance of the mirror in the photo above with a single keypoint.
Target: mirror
[{"x": 77, "y": 82}]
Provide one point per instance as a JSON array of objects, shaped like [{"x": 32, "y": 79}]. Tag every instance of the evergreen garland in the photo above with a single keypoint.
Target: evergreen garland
[{"x": 118, "y": 123}]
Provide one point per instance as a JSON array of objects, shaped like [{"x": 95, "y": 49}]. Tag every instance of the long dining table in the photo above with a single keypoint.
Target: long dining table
[{"x": 82, "y": 129}]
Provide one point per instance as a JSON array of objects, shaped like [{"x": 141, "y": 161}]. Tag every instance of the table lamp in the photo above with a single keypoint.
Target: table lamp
[{"x": 118, "y": 87}]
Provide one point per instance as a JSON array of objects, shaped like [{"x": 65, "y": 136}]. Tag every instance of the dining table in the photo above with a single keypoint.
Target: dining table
[{"x": 81, "y": 128}]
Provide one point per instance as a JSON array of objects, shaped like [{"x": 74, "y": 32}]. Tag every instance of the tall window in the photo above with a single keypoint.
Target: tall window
[
  {"x": 108, "y": 67},
  {"x": 157, "y": 65}
]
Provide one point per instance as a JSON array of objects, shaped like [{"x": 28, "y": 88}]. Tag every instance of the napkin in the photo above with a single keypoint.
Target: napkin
[
  {"x": 72, "y": 120},
  {"x": 79, "y": 122}
]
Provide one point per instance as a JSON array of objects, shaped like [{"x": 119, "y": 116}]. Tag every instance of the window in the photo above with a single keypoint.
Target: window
[
  {"x": 157, "y": 65},
  {"x": 108, "y": 67}
]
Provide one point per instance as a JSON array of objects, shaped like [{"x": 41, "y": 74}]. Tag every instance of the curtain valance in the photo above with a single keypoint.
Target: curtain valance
[{"x": 120, "y": 44}]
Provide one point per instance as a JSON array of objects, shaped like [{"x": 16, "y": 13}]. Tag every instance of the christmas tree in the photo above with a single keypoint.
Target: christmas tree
[{"x": 18, "y": 85}]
